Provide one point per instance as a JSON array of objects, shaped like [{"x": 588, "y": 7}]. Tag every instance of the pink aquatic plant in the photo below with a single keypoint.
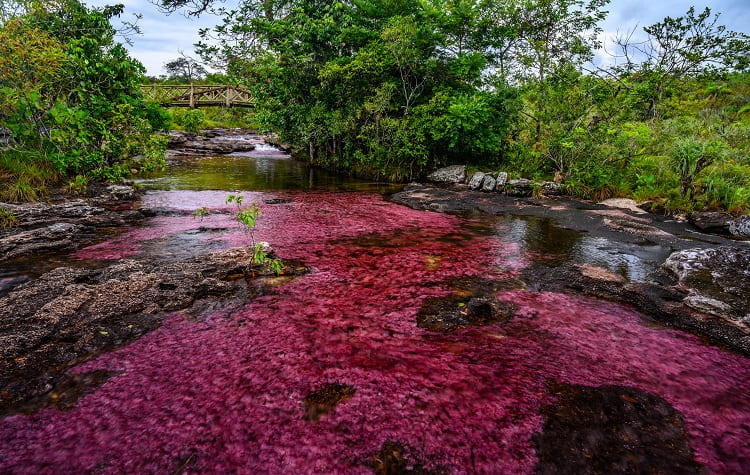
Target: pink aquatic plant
[{"x": 226, "y": 394}]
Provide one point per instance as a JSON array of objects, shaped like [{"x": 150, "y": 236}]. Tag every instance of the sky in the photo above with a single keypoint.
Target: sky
[{"x": 164, "y": 36}]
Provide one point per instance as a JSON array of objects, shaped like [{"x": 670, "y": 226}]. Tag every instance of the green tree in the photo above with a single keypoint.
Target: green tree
[{"x": 70, "y": 93}]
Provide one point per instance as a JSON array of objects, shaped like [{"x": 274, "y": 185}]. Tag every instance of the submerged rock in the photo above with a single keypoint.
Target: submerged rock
[
  {"x": 396, "y": 458},
  {"x": 445, "y": 314},
  {"x": 325, "y": 399},
  {"x": 453, "y": 174},
  {"x": 612, "y": 429}
]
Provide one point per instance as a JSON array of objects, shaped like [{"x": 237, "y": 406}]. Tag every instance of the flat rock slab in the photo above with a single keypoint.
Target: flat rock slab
[
  {"x": 217, "y": 141},
  {"x": 42, "y": 228}
]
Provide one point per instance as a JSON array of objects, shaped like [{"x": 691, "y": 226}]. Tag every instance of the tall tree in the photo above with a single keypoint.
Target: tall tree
[{"x": 185, "y": 69}]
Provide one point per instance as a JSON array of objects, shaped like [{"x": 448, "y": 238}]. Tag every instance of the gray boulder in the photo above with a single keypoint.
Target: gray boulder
[
  {"x": 740, "y": 227},
  {"x": 451, "y": 174},
  {"x": 502, "y": 179},
  {"x": 717, "y": 281},
  {"x": 476, "y": 180},
  {"x": 55, "y": 237},
  {"x": 489, "y": 183},
  {"x": 520, "y": 187},
  {"x": 551, "y": 188}
]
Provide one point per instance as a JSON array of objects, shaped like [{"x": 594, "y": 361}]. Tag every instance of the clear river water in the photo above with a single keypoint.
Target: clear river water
[{"x": 229, "y": 393}]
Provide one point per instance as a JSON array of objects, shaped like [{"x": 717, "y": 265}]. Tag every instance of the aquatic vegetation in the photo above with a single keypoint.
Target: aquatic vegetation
[{"x": 228, "y": 393}]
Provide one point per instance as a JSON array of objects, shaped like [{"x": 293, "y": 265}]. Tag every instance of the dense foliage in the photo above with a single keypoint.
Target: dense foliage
[
  {"x": 70, "y": 98},
  {"x": 394, "y": 89}
]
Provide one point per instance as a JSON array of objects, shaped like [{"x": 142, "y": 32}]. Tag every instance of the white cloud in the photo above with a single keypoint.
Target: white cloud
[{"x": 164, "y": 36}]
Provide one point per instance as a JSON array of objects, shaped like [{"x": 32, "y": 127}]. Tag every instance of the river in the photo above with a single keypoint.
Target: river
[{"x": 330, "y": 373}]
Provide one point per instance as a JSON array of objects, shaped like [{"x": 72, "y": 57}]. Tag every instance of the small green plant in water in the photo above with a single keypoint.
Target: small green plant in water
[
  {"x": 248, "y": 216},
  {"x": 200, "y": 213}
]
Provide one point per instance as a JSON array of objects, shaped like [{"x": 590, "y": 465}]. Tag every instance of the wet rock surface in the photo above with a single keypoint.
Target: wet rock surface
[
  {"x": 721, "y": 223},
  {"x": 42, "y": 228},
  {"x": 612, "y": 429},
  {"x": 595, "y": 219},
  {"x": 325, "y": 399},
  {"x": 210, "y": 142},
  {"x": 70, "y": 314},
  {"x": 473, "y": 303},
  {"x": 702, "y": 289},
  {"x": 717, "y": 281},
  {"x": 445, "y": 314},
  {"x": 660, "y": 301}
]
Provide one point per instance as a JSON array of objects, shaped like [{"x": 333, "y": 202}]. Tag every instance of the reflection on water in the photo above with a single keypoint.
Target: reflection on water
[
  {"x": 265, "y": 168},
  {"x": 548, "y": 244}
]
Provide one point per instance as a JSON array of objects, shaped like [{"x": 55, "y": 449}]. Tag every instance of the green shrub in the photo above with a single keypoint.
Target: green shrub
[{"x": 193, "y": 120}]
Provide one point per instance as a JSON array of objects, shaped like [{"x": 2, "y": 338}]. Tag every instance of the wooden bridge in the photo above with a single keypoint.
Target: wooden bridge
[{"x": 197, "y": 95}]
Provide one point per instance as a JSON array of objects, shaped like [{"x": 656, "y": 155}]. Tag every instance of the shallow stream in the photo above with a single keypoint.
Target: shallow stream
[{"x": 231, "y": 392}]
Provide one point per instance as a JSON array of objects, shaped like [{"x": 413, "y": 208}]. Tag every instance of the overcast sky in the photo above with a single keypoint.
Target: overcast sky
[{"x": 165, "y": 35}]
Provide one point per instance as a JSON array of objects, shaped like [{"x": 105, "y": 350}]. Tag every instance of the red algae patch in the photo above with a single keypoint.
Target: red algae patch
[{"x": 227, "y": 393}]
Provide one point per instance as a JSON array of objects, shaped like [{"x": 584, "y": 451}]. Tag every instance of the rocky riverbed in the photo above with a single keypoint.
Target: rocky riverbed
[
  {"x": 703, "y": 286},
  {"x": 442, "y": 329}
]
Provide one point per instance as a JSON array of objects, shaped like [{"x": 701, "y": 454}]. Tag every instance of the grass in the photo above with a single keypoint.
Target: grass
[
  {"x": 7, "y": 219},
  {"x": 24, "y": 176}
]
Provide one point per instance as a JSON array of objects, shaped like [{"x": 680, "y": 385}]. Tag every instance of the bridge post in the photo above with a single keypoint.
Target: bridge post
[
  {"x": 192, "y": 96},
  {"x": 228, "y": 92}
]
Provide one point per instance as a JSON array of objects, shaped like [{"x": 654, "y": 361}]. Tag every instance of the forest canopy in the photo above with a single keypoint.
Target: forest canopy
[{"x": 394, "y": 89}]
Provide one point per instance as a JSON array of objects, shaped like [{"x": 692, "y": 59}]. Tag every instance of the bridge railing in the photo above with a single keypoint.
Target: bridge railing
[{"x": 196, "y": 95}]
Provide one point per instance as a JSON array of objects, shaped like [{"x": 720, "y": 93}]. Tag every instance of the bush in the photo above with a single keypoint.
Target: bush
[{"x": 193, "y": 120}]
